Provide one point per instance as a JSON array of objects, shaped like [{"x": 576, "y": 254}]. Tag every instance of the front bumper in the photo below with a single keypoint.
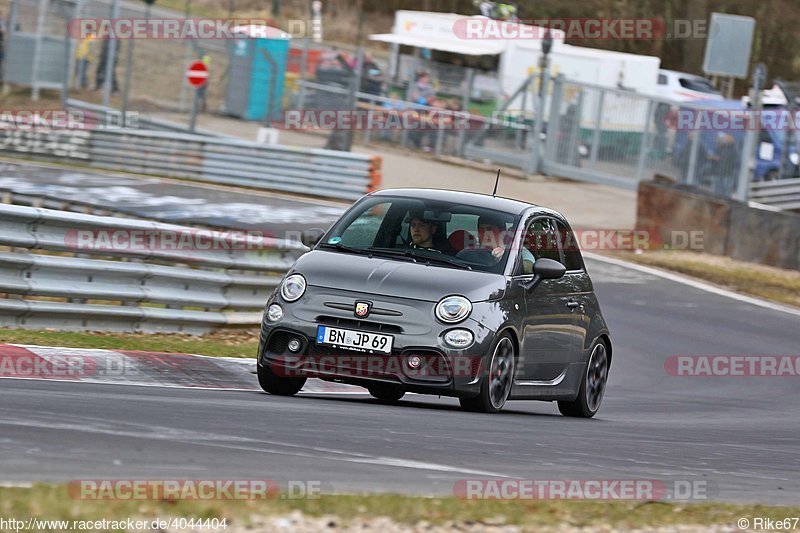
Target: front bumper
[{"x": 443, "y": 370}]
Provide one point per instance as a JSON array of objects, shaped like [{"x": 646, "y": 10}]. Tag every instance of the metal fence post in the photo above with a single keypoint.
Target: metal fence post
[
  {"x": 538, "y": 126},
  {"x": 695, "y": 148},
  {"x": 440, "y": 137},
  {"x": 111, "y": 59},
  {"x": 554, "y": 118},
  {"x": 37, "y": 51},
  {"x": 462, "y": 133},
  {"x": 644, "y": 148},
  {"x": 742, "y": 191},
  {"x": 598, "y": 126},
  {"x": 301, "y": 94},
  {"x": 68, "y": 60}
]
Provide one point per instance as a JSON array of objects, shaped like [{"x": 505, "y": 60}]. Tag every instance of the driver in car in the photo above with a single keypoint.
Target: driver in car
[
  {"x": 422, "y": 233},
  {"x": 493, "y": 236},
  {"x": 425, "y": 234}
]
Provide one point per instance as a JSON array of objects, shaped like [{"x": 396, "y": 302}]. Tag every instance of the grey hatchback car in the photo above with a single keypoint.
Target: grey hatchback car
[{"x": 440, "y": 292}]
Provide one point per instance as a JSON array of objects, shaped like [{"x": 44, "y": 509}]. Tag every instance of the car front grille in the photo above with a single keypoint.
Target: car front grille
[{"x": 365, "y": 325}]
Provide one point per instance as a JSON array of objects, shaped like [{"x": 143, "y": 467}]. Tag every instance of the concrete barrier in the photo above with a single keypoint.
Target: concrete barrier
[{"x": 730, "y": 228}]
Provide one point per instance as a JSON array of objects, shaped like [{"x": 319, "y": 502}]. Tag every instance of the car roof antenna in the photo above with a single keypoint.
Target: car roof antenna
[{"x": 494, "y": 193}]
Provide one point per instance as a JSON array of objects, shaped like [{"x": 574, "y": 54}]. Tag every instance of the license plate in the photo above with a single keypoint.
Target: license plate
[{"x": 354, "y": 340}]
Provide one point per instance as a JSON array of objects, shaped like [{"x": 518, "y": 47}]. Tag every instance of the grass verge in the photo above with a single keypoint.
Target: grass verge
[
  {"x": 51, "y": 502},
  {"x": 775, "y": 284},
  {"x": 231, "y": 343}
]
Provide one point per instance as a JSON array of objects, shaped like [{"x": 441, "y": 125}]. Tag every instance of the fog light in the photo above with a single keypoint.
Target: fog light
[
  {"x": 274, "y": 313},
  {"x": 295, "y": 345},
  {"x": 414, "y": 361},
  {"x": 459, "y": 338}
]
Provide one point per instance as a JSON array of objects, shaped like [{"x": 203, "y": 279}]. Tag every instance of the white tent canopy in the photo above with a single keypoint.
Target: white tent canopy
[{"x": 446, "y": 32}]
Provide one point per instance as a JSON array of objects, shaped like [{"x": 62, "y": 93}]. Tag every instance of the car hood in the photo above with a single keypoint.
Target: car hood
[{"x": 391, "y": 277}]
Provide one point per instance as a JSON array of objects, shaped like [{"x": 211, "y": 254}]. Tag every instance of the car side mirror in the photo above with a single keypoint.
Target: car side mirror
[
  {"x": 311, "y": 237},
  {"x": 545, "y": 269}
]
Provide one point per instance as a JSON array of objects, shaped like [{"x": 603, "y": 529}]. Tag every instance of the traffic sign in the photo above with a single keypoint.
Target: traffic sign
[{"x": 197, "y": 74}]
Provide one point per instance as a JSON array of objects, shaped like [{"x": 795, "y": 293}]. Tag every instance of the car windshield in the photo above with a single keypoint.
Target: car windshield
[{"x": 442, "y": 234}]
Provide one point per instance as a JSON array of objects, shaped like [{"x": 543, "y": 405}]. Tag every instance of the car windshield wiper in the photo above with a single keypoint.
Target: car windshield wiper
[
  {"x": 345, "y": 248},
  {"x": 366, "y": 251},
  {"x": 414, "y": 255}
]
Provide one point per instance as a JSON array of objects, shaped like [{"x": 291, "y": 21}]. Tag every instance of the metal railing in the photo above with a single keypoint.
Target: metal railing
[
  {"x": 135, "y": 119},
  {"x": 107, "y": 273},
  {"x": 318, "y": 172},
  {"x": 457, "y": 133},
  {"x": 782, "y": 194}
]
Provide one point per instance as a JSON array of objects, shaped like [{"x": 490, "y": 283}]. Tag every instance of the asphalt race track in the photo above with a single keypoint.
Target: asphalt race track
[
  {"x": 739, "y": 436},
  {"x": 170, "y": 201}
]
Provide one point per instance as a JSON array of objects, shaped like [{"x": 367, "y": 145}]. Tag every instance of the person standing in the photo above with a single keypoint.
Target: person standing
[
  {"x": 84, "y": 55},
  {"x": 100, "y": 73},
  {"x": 202, "y": 103}
]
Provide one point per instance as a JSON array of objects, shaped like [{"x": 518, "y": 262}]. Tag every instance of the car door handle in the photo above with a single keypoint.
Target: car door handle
[{"x": 572, "y": 304}]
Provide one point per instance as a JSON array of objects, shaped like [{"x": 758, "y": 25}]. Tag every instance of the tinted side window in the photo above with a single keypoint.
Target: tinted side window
[
  {"x": 662, "y": 79},
  {"x": 541, "y": 239},
  {"x": 569, "y": 246}
]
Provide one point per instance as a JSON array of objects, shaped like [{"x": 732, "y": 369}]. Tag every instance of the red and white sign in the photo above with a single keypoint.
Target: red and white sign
[{"x": 197, "y": 74}]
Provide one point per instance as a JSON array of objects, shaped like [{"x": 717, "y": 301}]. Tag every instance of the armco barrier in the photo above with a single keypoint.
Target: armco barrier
[
  {"x": 318, "y": 172},
  {"x": 782, "y": 194},
  {"x": 135, "y": 288}
]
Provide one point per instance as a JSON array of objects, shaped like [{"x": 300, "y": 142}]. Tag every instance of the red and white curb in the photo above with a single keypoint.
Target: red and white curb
[{"x": 130, "y": 367}]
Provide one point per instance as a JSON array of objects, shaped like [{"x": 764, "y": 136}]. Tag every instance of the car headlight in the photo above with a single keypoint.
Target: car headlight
[
  {"x": 794, "y": 158},
  {"x": 452, "y": 309},
  {"x": 274, "y": 313},
  {"x": 293, "y": 287}
]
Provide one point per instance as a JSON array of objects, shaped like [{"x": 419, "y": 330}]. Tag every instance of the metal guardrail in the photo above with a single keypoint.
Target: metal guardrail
[
  {"x": 46, "y": 144},
  {"x": 109, "y": 115},
  {"x": 313, "y": 171},
  {"x": 96, "y": 276},
  {"x": 782, "y": 194}
]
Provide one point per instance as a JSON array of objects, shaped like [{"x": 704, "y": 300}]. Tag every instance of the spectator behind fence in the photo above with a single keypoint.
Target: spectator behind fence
[
  {"x": 100, "y": 73},
  {"x": 422, "y": 92},
  {"x": 85, "y": 55},
  {"x": 202, "y": 103},
  {"x": 724, "y": 164}
]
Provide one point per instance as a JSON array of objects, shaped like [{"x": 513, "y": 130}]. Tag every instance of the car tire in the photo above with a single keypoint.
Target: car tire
[
  {"x": 280, "y": 386},
  {"x": 497, "y": 380},
  {"x": 386, "y": 393},
  {"x": 593, "y": 385}
]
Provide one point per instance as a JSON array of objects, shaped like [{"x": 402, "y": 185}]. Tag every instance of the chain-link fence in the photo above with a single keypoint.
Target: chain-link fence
[
  {"x": 593, "y": 133},
  {"x": 619, "y": 137}
]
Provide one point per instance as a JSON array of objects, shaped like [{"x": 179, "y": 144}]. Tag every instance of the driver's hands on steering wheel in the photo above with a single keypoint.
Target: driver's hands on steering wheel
[{"x": 498, "y": 252}]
